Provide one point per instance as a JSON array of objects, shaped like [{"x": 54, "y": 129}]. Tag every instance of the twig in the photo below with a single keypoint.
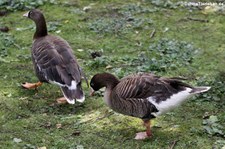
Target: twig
[
  {"x": 106, "y": 115},
  {"x": 173, "y": 145},
  {"x": 152, "y": 34},
  {"x": 178, "y": 78},
  {"x": 197, "y": 19},
  {"x": 99, "y": 118}
]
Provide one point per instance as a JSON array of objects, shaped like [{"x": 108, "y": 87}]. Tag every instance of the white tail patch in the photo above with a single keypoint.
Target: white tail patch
[
  {"x": 67, "y": 99},
  {"x": 81, "y": 99},
  {"x": 70, "y": 101},
  {"x": 172, "y": 102},
  {"x": 73, "y": 85}
]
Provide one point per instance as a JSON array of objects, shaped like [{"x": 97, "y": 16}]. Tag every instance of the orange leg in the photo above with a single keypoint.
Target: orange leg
[
  {"x": 147, "y": 124},
  {"x": 36, "y": 85},
  {"x": 145, "y": 134},
  {"x": 31, "y": 85}
]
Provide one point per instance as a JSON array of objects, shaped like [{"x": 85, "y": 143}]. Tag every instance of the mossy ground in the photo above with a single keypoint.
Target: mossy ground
[{"x": 31, "y": 119}]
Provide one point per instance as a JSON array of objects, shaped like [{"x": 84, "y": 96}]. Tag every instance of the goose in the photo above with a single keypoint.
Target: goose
[
  {"x": 54, "y": 62},
  {"x": 143, "y": 95}
]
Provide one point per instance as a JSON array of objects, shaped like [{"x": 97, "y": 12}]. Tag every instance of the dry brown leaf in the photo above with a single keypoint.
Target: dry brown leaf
[
  {"x": 61, "y": 100},
  {"x": 43, "y": 147},
  {"x": 109, "y": 67},
  {"x": 58, "y": 126}
]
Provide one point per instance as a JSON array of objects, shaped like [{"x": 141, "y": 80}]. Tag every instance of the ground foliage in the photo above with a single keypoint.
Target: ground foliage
[{"x": 15, "y": 5}]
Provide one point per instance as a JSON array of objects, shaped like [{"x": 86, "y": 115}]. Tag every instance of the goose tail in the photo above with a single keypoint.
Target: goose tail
[
  {"x": 73, "y": 95},
  {"x": 201, "y": 89}
]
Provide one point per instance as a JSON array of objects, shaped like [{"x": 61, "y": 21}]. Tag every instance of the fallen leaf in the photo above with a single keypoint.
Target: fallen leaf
[
  {"x": 9, "y": 95},
  {"x": 67, "y": 21},
  {"x": 80, "y": 50},
  {"x": 86, "y": 8},
  {"x": 109, "y": 67},
  {"x": 58, "y": 31},
  {"x": 43, "y": 147},
  {"x": 17, "y": 140},
  {"x": 61, "y": 100},
  {"x": 58, "y": 126},
  {"x": 80, "y": 147},
  {"x": 166, "y": 29}
]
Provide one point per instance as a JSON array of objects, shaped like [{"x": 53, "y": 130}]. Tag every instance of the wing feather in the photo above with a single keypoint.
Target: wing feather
[
  {"x": 55, "y": 60},
  {"x": 144, "y": 85},
  {"x": 135, "y": 86}
]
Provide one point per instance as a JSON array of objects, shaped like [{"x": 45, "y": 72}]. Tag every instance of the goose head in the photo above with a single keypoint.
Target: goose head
[
  {"x": 101, "y": 80},
  {"x": 34, "y": 15},
  {"x": 39, "y": 19}
]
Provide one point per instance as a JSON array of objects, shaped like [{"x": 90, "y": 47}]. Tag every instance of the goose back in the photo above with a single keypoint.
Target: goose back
[
  {"x": 54, "y": 61},
  {"x": 144, "y": 85}
]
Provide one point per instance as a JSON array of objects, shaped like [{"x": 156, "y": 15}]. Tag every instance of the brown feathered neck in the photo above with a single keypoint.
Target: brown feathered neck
[
  {"x": 110, "y": 80},
  {"x": 41, "y": 27}
]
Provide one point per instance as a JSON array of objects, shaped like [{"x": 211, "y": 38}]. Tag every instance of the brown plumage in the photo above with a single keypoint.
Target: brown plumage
[
  {"x": 143, "y": 95},
  {"x": 54, "y": 61}
]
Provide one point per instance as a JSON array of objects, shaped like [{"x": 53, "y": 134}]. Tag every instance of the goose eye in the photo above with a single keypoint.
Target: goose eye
[{"x": 30, "y": 13}]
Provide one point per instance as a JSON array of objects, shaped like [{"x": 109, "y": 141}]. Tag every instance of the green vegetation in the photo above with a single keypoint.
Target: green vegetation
[{"x": 161, "y": 36}]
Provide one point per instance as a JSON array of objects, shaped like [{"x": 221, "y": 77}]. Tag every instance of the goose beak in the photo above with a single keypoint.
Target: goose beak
[
  {"x": 26, "y": 14},
  {"x": 92, "y": 92}
]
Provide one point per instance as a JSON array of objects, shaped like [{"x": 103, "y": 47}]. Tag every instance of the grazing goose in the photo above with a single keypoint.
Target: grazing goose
[
  {"x": 54, "y": 61},
  {"x": 143, "y": 95}
]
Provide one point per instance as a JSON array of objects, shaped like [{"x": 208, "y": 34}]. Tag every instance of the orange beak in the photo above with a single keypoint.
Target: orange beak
[{"x": 92, "y": 92}]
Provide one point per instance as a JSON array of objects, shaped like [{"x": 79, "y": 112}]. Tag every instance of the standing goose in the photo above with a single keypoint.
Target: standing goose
[
  {"x": 143, "y": 95},
  {"x": 54, "y": 61}
]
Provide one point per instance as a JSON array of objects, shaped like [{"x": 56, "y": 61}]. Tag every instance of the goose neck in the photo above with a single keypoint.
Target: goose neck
[{"x": 41, "y": 28}]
